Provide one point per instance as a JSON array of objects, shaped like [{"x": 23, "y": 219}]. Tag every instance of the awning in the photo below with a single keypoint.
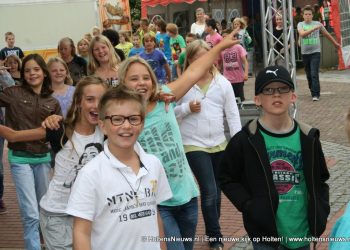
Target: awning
[{"x": 153, "y": 3}]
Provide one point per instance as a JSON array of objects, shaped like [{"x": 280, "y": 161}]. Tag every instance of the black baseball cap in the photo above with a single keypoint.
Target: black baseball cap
[{"x": 272, "y": 74}]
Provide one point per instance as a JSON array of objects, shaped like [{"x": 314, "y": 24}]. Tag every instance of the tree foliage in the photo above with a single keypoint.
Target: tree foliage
[{"x": 135, "y": 9}]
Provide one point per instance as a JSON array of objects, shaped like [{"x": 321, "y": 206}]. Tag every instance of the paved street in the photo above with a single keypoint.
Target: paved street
[{"x": 327, "y": 115}]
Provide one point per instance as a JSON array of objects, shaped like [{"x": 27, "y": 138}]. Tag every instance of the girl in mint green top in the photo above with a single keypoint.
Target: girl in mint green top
[{"x": 161, "y": 136}]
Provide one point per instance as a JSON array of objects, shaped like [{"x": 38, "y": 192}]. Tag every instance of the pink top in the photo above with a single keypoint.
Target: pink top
[
  {"x": 233, "y": 64},
  {"x": 212, "y": 40}
]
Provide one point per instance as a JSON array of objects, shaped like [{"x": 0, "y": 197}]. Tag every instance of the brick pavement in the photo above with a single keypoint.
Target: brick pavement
[{"x": 327, "y": 115}]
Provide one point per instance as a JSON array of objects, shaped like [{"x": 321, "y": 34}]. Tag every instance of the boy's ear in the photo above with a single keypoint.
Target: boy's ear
[
  {"x": 294, "y": 97},
  {"x": 101, "y": 124},
  {"x": 257, "y": 100}
]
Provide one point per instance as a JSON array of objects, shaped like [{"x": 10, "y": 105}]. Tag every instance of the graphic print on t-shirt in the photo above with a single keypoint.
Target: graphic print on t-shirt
[
  {"x": 231, "y": 60},
  {"x": 161, "y": 143},
  {"x": 287, "y": 172},
  {"x": 140, "y": 200},
  {"x": 284, "y": 176},
  {"x": 90, "y": 151}
]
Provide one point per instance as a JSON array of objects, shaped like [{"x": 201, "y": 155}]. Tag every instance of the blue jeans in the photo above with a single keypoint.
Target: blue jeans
[
  {"x": 180, "y": 222},
  {"x": 312, "y": 66},
  {"x": 1, "y": 168},
  {"x": 261, "y": 246},
  {"x": 1, "y": 154},
  {"x": 31, "y": 181},
  {"x": 205, "y": 167}
]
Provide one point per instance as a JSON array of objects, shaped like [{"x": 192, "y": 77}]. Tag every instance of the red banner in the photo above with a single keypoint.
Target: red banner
[{"x": 343, "y": 53}]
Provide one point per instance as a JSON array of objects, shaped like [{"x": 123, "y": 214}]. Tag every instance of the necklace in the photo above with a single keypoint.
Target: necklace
[{"x": 134, "y": 192}]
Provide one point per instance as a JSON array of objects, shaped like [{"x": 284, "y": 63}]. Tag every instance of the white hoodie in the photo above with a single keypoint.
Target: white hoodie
[{"x": 206, "y": 128}]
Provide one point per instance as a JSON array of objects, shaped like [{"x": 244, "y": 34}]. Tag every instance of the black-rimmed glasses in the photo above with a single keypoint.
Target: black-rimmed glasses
[
  {"x": 280, "y": 90},
  {"x": 118, "y": 120}
]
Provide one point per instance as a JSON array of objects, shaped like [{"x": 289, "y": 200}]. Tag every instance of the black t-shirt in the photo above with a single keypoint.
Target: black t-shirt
[
  {"x": 120, "y": 53},
  {"x": 5, "y": 52},
  {"x": 279, "y": 35},
  {"x": 77, "y": 69}
]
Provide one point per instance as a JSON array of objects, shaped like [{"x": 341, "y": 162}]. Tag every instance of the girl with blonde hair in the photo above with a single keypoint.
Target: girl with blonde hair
[
  {"x": 243, "y": 35},
  {"x": 161, "y": 137},
  {"x": 83, "y": 49},
  {"x": 200, "y": 113},
  {"x": 61, "y": 83},
  {"x": 103, "y": 60}
]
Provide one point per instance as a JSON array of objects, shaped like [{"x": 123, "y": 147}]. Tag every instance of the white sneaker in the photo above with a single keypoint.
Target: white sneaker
[{"x": 315, "y": 99}]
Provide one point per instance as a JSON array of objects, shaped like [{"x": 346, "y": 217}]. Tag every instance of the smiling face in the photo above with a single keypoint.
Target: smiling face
[
  {"x": 34, "y": 75},
  {"x": 276, "y": 104},
  {"x": 58, "y": 73},
  {"x": 101, "y": 52},
  {"x": 122, "y": 136},
  {"x": 89, "y": 103},
  {"x": 139, "y": 78},
  {"x": 200, "y": 16}
]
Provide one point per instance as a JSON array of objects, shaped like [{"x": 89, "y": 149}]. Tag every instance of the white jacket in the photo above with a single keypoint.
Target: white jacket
[{"x": 206, "y": 128}]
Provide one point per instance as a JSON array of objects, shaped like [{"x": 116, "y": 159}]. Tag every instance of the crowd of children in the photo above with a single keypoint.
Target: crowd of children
[{"x": 146, "y": 117}]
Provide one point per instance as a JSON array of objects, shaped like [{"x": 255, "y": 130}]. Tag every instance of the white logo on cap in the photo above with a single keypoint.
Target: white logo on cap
[{"x": 272, "y": 72}]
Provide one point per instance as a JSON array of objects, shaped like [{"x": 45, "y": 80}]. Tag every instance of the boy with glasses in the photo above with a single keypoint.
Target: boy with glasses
[
  {"x": 114, "y": 199},
  {"x": 274, "y": 170}
]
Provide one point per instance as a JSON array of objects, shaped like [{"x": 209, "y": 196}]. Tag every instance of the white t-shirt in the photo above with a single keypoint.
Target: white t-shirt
[
  {"x": 197, "y": 29},
  {"x": 68, "y": 162},
  {"x": 121, "y": 205}
]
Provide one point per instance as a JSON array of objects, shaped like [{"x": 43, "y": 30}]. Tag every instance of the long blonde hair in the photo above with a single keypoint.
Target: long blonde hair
[
  {"x": 125, "y": 66},
  {"x": 74, "y": 112},
  {"x": 114, "y": 59},
  {"x": 193, "y": 48},
  {"x": 68, "y": 80}
]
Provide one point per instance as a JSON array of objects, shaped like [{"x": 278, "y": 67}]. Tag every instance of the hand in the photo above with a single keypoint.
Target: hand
[
  {"x": 337, "y": 45},
  {"x": 3, "y": 69},
  {"x": 52, "y": 122},
  {"x": 167, "y": 98},
  {"x": 230, "y": 40},
  {"x": 245, "y": 77},
  {"x": 317, "y": 27},
  {"x": 195, "y": 106}
]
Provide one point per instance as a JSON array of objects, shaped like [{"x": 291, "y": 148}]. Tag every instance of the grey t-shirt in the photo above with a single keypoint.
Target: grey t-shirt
[{"x": 310, "y": 43}]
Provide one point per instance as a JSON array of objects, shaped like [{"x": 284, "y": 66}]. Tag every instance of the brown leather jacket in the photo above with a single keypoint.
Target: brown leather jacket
[{"x": 26, "y": 110}]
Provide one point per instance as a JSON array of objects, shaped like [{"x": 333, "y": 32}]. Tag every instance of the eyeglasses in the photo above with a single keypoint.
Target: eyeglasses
[
  {"x": 280, "y": 90},
  {"x": 118, "y": 120}
]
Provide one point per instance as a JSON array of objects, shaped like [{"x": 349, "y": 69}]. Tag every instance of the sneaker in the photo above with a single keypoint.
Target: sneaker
[
  {"x": 3, "y": 209},
  {"x": 315, "y": 99}
]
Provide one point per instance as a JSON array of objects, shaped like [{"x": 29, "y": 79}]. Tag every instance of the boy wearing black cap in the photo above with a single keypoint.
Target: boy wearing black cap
[{"x": 274, "y": 170}]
